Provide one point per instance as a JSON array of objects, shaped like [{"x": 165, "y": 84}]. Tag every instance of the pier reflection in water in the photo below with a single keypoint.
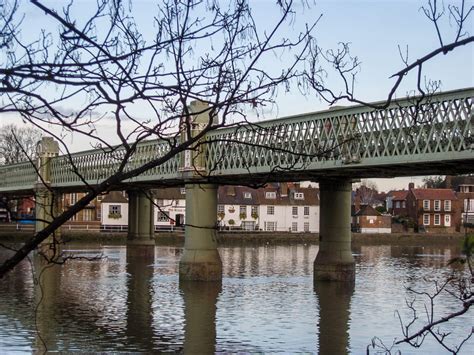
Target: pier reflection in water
[{"x": 132, "y": 301}]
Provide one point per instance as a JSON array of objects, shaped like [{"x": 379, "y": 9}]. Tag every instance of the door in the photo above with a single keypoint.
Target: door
[{"x": 447, "y": 220}]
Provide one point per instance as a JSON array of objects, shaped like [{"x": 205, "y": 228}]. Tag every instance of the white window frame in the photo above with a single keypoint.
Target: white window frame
[
  {"x": 294, "y": 226},
  {"x": 299, "y": 196},
  {"x": 437, "y": 216},
  {"x": 270, "y": 195},
  {"x": 426, "y": 219},
  {"x": 294, "y": 210},
  {"x": 437, "y": 205},
  {"x": 447, "y": 205},
  {"x": 242, "y": 209},
  {"x": 306, "y": 211},
  {"x": 306, "y": 226},
  {"x": 220, "y": 209},
  {"x": 397, "y": 204},
  {"x": 247, "y": 195},
  {"x": 270, "y": 210},
  {"x": 426, "y": 205}
]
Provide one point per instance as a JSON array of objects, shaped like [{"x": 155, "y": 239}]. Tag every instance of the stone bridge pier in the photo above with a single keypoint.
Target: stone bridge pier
[
  {"x": 201, "y": 260},
  {"x": 334, "y": 261},
  {"x": 141, "y": 228}
]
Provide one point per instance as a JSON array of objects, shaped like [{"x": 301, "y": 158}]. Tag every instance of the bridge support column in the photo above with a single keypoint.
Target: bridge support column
[
  {"x": 334, "y": 261},
  {"x": 141, "y": 229},
  {"x": 201, "y": 260},
  {"x": 46, "y": 200}
]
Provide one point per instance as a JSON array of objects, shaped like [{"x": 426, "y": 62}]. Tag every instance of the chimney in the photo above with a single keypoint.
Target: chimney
[
  {"x": 448, "y": 182},
  {"x": 411, "y": 185}
]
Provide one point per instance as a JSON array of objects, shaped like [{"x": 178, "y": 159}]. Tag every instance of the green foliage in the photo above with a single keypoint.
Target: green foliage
[
  {"x": 243, "y": 215},
  {"x": 231, "y": 222},
  {"x": 380, "y": 209}
]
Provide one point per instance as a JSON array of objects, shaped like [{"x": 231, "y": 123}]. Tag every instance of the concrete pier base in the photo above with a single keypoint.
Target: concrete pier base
[
  {"x": 201, "y": 260},
  {"x": 334, "y": 261},
  {"x": 141, "y": 230}
]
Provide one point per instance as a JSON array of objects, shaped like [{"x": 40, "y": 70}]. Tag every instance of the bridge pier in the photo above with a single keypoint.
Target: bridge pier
[
  {"x": 334, "y": 261},
  {"x": 47, "y": 202},
  {"x": 201, "y": 260},
  {"x": 141, "y": 229}
]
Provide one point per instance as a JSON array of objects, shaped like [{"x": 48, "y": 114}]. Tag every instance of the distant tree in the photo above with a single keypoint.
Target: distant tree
[
  {"x": 17, "y": 143},
  {"x": 433, "y": 182},
  {"x": 367, "y": 192}
]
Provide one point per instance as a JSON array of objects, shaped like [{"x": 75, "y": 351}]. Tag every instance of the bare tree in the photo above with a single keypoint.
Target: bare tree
[
  {"x": 18, "y": 143},
  {"x": 433, "y": 182}
]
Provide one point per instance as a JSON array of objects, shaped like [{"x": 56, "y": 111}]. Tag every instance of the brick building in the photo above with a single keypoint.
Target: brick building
[
  {"x": 433, "y": 210},
  {"x": 369, "y": 220}
]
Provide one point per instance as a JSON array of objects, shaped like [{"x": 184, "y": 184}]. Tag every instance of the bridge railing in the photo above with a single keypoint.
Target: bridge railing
[
  {"x": 96, "y": 165},
  {"x": 17, "y": 177},
  {"x": 440, "y": 124},
  {"x": 436, "y": 128}
]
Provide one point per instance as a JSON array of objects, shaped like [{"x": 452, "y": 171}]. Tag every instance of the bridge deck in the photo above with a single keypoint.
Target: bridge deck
[{"x": 408, "y": 138}]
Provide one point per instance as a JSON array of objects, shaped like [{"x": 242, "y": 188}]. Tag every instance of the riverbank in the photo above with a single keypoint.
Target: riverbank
[{"x": 241, "y": 237}]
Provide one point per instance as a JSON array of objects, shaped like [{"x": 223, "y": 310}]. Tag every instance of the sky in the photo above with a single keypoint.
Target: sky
[{"x": 374, "y": 28}]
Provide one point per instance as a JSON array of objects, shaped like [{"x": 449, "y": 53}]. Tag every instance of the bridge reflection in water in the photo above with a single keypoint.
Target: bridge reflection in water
[{"x": 133, "y": 302}]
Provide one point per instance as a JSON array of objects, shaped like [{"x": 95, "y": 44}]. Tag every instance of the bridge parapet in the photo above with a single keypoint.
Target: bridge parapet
[
  {"x": 409, "y": 130},
  {"x": 350, "y": 140}
]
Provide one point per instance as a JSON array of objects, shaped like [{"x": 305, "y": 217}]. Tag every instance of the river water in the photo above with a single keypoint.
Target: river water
[{"x": 132, "y": 301}]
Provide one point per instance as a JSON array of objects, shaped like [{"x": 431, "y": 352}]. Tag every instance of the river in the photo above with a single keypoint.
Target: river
[{"x": 132, "y": 301}]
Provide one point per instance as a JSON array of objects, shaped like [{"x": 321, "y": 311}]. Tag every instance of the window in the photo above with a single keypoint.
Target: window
[
  {"x": 463, "y": 188},
  {"x": 182, "y": 190},
  {"x": 163, "y": 217},
  {"x": 220, "y": 209},
  {"x": 468, "y": 205},
  {"x": 426, "y": 219},
  {"x": 87, "y": 215},
  {"x": 98, "y": 214},
  {"x": 299, "y": 196},
  {"x": 115, "y": 210},
  {"x": 437, "y": 205},
  {"x": 247, "y": 195},
  {"x": 270, "y": 210},
  {"x": 294, "y": 210},
  {"x": 248, "y": 225},
  {"x": 437, "y": 220},
  {"x": 73, "y": 198},
  {"x": 306, "y": 210},
  {"x": 397, "y": 204},
  {"x": 270, "y": 195},
  {"x": 294, "y": 226},
  {"x": 243, "y": 210},
  {"x": 254, "y": 210},
  {"x": 270, "y": 226},
  {"x": 306, "y": 226},
  {"x": 447, "y": 205},
  {"x": 404, "y": 205},
  {"x": 426, "y": 205},
  {"x": 100, "y": 197}
]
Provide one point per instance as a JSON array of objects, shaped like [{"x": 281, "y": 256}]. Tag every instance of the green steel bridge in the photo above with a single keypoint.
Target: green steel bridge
[{"x": 407, "y": 138}]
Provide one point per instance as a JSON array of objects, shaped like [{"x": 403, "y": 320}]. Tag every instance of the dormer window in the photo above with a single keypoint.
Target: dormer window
[
  {"x": 247, "y": 195},
  {"x": 270, "y": 195},
  {"x": 299, "y": 196},
  {"x": 183, "y": 191}
]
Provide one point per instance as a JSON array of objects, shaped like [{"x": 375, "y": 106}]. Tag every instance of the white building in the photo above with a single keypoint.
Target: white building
[
  {"x": 114, "y": 210},
  {"x": 277, "y": 207}
]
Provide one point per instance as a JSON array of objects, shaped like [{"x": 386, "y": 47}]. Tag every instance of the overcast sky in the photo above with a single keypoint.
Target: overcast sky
[{"x": 375, "y": 29}]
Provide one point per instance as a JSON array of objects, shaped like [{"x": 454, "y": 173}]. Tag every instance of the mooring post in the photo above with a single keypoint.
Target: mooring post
[{"x": 334, "y": 261}]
